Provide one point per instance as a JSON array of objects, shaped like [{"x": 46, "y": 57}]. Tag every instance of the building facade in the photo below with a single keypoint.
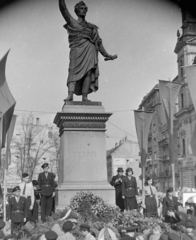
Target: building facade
[
  {"x": 158, "y": 165},
  {"x": 125, "y": 154}
]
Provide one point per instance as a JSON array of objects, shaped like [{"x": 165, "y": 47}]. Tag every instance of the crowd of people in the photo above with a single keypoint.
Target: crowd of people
[{"x": 182, "y": 220}]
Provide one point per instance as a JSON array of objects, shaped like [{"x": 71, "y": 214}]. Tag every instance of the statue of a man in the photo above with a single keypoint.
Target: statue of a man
[{"x": 85, "y": 44}]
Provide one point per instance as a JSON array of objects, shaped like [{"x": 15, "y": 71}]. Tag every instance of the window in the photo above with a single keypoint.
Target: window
[
  {"x": 181, "y": 69},
  {"x": 182, "y": 100},
  {"x": 183, "y": 147}
]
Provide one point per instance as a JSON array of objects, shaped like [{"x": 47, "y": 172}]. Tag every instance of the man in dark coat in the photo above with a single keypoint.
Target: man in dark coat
[
  {"x": 47, "y": 185},
  {"x": 170, "y": 206},
  {"x": 17, "y": 210},
  {"x": 117, "y": 183}
]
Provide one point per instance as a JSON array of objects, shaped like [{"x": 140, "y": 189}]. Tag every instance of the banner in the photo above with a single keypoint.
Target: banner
[
  {"x": 143, "y": 120},
  {"x": 190, "y": 73},
  {"x": 7, "y": 102},
  {"x": 9, "y": 139}
]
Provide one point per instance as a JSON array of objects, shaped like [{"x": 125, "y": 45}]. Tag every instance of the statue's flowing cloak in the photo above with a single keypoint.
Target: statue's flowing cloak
[{"x": 84, "y": 43}]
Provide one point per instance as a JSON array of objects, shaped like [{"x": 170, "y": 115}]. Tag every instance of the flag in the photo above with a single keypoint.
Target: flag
[
  {"x": 7, "y": 103},
  {"x": 143, "y": 120},
  {"x": 9, "y": 139},
  {"x": 190, "y": 73},
  {"x": 168, "y": 95}
]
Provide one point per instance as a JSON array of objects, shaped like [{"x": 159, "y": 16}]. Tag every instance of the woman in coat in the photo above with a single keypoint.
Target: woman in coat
[
  {"x": 129, "y": 190},
  {"x": 151, "y": 199}
]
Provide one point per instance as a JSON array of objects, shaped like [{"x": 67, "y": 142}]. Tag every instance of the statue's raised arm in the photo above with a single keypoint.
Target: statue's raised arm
[
  {"x": 84, "y": 43},
  {"x": 63, "y": 8}
]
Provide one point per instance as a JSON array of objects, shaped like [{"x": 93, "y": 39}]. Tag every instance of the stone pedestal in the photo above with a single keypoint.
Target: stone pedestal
[{"x": 82, "y": 165}]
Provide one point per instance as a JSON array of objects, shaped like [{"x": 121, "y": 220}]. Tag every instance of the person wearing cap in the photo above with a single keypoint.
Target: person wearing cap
[
  {"x": 129, "y": 190},
  {"x": 170, "y": 206},
  {"x": 47, "y": 185},
  {"x": 17, "y": 210},
  {"x": 27, "y": 191},
  {"x": 151, "y": 198},
  {"x": 117, "y": 183},
  {"x": 189, "y": 234},
  {"x": 51, "y": 235},
  {"x": 67, "y": 228},
  {"x": 85, "y": 230}
]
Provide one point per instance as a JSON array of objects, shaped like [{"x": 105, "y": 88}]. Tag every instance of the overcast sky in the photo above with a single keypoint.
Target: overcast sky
[{"x": 141, "y": 32}]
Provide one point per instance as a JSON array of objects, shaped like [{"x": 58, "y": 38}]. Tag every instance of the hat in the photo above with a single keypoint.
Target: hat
[
  {"x": 120, "y": 169},
  {"x": 35, "y": 182},
  {"x": 1, "y": 234},
  {"x": 170, "y": 189},
  {"x": 189, "y": 224},
  {"x": 131, "y": 229},
  {"x": 51, "y": 235},
  {"x": 17, "y": 188},
  {"x": 45, "y": 165},
  {"x": 85, "y": 226},
  {"x": 67, "y": 226},
  {"x": 2, "y": 224},
  {"x": 24, "y": 175}
]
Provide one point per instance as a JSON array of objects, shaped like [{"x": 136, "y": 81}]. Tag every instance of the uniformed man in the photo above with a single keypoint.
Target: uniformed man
[
  {"x": 170, "y": 206},
  {"x": 17, "y": 210},
  {"x": 47, "y": 185},
  {"x": 117, "y": 183}
]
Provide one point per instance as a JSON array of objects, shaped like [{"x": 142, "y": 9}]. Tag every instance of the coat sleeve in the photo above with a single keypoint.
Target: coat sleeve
[
  {"x": 136, "y": 191},
  {"x": 164, "y": 207},
  {"x": 32, "y": 196},
  {"x": 112, "y": 182},
  {"x": 25, "y": 208},
  {"x": 156, "y": 196},
  {"x": 53, "y": 185},
  {"x": 39, "y": 180},
  {"x": 123, "y": 187}
]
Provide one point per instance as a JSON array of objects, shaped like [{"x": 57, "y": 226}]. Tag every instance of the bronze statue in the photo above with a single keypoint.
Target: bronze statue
[{"x": 85, "y": 44}]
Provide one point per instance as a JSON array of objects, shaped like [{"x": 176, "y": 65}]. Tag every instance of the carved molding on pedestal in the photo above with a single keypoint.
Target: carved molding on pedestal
[{"x": 81, "y": 121}]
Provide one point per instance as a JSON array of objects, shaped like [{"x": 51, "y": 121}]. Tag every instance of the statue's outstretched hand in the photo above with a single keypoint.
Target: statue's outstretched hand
[{"x": 110, "y": 57}]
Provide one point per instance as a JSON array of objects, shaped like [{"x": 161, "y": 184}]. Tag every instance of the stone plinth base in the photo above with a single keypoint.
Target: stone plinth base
[{"x": 82, "y": 165}]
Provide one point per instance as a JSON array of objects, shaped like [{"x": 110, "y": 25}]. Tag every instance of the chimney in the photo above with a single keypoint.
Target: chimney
[{"x": 37, "y": 121}]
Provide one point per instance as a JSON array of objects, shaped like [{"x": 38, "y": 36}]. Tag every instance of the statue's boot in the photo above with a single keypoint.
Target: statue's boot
[
  {"x": 69, "y": 97},
  {"x": 85, "y": 98}
]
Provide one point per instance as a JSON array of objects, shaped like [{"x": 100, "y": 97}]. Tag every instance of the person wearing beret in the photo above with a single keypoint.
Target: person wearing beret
[
  {"x": 117, "y": 183},
  {"x": 17, "y": 210},
  {"x": 51, "y": 235},
  {"x": 170, "y": 206},
  {"x": 85, "y": 230},
  {"x": 47, "y": 185},
  {"x": 129, "y": 190},
  {"x": 67, "y": 228},
  {"x": 27, "y": 191}
]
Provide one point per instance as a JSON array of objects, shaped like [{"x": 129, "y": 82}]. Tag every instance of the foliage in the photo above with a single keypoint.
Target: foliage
[{"x": 30, "y": 144}]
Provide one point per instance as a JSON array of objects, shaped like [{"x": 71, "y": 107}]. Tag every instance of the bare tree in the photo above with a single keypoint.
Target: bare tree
[{"x": 31, "y": 145}]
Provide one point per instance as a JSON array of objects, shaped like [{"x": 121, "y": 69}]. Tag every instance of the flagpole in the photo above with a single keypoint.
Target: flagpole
[
  {"x": 4, "y": 195},
  {"x": 171, "y": 142},
  {"x": 142, "y": 160}
]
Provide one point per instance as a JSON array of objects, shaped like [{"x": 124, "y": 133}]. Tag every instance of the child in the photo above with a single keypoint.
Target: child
[
  {"x": 85, "y": 229},
  {"x": 67, "y": 227},
  {"x": 17, "y": 211}
]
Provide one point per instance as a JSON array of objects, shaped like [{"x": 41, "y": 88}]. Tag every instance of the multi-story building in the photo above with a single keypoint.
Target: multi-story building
[
  {"x": 158, "y": 165},
  {"x": 125, "y": 154}
]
